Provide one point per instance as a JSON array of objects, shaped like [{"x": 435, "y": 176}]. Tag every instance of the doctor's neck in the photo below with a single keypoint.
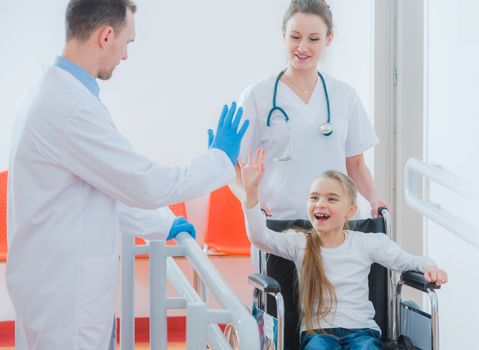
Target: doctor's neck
[{"x": 82, "y": 54}]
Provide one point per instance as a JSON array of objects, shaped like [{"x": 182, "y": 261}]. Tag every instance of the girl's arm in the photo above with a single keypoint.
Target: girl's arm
[
  {"x": 388, "y": 253},
  {"x": 281, "y": 244}
]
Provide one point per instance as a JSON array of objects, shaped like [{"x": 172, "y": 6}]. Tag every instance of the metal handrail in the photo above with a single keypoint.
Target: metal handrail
[
  {"x": 414, "y": 198},
  {"x": 202, "y": 328}
]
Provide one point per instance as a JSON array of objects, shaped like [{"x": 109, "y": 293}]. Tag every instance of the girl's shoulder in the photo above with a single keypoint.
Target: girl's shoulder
[
  {"x": 367, "y": 238},
  {"x": 298, "y": 237}
]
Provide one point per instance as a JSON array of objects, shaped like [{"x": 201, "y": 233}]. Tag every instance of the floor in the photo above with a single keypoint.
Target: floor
[{"x": 139, "y": 346}]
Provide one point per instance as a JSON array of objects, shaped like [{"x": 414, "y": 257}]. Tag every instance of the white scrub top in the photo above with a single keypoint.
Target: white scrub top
[
  {"x": 285, "y": 186},
  {"x": 74, "y": 183}
]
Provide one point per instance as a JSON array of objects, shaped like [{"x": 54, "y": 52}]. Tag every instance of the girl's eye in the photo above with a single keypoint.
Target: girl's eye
[
  {"x": 315, "y": 39},
  {"x": 333, "y": 199},
  {"x": 295, "y": 37},
  {"x": 313, "y": 198}
]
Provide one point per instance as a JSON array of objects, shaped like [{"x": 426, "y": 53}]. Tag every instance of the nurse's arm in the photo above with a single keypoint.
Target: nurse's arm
[{"x": 359, "y": 172}]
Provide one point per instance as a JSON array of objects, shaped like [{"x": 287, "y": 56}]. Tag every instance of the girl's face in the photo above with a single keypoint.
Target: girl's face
[
  {"x": 329, "y": 205},
  {"x": 305, "y": 39}
]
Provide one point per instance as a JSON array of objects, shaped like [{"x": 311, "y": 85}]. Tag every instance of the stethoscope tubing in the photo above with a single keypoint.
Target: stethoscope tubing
[{"x": 283, "y": 112}]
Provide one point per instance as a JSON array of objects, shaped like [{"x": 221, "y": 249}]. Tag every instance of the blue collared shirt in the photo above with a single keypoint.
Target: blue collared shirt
[{"x": 78, "y": 72}]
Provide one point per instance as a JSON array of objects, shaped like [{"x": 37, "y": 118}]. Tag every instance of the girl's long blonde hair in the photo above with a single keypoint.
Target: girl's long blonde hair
[{"x": 318, "y": 298}]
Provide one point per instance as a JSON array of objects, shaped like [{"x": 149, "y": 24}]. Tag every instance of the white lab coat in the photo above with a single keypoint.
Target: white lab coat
[
  {"x": 74, "y": 183},
  {"x": 285, "y": 185}
]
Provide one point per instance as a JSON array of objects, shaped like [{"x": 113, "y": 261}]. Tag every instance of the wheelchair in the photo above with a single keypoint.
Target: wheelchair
[{"x": 276, "y": 301}]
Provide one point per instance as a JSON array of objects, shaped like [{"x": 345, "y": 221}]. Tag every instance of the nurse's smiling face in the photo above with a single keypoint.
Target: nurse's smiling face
[{"x": 305, "y": 37}]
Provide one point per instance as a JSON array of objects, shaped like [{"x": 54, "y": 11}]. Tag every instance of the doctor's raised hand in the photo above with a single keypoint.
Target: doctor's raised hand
[{"x": 228, "y": 137}]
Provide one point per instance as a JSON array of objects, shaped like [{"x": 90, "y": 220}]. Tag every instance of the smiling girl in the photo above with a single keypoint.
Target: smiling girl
[{"x": 333, "y": 263}]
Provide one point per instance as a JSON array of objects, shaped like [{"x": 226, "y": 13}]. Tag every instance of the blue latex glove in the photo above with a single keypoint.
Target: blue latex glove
[
  {"x": 181, "y": 225},
  {"x": 228, "y": 137}
]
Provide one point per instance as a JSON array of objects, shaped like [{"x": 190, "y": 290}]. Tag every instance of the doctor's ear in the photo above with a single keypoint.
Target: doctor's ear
[{"x": 105, "y": 35}]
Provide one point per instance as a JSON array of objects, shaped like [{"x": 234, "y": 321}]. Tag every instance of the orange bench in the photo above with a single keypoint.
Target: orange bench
[{"x": 225, "y": 227}]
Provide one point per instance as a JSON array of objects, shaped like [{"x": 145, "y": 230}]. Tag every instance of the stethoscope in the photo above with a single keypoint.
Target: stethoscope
[{"x": 326, "y": 129}]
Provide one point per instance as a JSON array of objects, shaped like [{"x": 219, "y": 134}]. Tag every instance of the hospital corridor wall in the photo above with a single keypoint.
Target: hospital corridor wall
[
  {"x": 188, "y": 59},
  {"x": 452, "y": 119}
]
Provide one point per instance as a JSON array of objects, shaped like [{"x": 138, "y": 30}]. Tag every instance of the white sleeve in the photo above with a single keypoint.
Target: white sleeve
[
  {"x": 250, "y": 141},
  {"x": 96, "y": 152},
  {"x": 283, "y": 244},
  {"x": 361, "y": 135},
  {"x": 150, "y": 224},
  {"x": 388, "y": 253}
]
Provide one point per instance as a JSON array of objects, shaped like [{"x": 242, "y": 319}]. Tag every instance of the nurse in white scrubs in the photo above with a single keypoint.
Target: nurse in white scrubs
[
  {"x": 306, "y": 121},
  {"x": 75, "y": 182}
]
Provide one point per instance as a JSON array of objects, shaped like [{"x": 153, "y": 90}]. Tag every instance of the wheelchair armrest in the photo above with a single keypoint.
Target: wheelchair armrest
[
  {"x": 264, "y": 283},
  {"x": 416, "y": 280}
]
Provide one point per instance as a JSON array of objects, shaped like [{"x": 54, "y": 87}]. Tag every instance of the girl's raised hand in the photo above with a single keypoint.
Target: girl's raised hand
[
  {"x": 435, "y": 275},
  {"x": 251, "y": 174}
]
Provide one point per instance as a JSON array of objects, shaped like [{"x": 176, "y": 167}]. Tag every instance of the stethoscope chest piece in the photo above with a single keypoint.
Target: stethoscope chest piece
[{"x": 326, "y": 129}]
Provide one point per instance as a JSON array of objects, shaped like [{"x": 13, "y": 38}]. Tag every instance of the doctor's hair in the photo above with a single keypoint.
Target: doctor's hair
[
  {"x": 313, "y": 7},
  {"x": 83, "y": 17}
]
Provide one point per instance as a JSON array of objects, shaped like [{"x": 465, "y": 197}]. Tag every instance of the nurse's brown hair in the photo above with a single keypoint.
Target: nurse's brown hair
[{"x": 314, "y": 7}]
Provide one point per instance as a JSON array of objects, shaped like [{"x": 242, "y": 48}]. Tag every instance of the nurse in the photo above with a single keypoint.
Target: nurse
[
  {"x": 75, "y": 182},
  {"x": 306, "y": 121}
]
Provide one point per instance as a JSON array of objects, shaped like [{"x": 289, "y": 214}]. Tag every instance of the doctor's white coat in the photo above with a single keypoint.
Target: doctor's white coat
[{"x": 74, "y": 183}]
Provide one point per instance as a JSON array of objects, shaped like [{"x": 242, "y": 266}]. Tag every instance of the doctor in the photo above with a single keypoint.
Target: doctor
[
  {"x": 75, "y": 182},
  {"x": 307, "y": 122}
]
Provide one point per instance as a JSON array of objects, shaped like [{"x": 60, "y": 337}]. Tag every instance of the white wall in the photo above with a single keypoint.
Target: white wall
[
  {"x": 451, "y": 140},
  {"x": 189, "y": 58}
]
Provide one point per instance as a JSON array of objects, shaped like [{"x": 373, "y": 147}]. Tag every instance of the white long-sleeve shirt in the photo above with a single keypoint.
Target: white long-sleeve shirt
[{"x": 347, "y": 266}]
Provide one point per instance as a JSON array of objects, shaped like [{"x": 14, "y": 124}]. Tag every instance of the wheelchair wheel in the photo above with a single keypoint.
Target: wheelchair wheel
[{"x": 232, "y": 337}]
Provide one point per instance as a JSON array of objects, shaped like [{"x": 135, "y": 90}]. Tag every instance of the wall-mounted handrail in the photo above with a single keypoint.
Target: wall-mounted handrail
[
  {"x": 202, "y": 328},
  {"x": 414, "y": 198}
]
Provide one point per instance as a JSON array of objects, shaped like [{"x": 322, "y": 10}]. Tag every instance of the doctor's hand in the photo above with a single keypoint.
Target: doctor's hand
[
  {"x": 181, "y": 225},
  {"x": 228, "y": 137}
]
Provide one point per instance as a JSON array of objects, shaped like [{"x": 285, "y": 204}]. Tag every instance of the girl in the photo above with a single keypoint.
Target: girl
[{"x": 333, "y": 263}]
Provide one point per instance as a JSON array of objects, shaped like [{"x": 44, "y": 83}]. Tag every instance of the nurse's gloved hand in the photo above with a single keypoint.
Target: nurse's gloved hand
[
  {"x": 181, "y": 225},
  {"x": 228, "y": 137}
]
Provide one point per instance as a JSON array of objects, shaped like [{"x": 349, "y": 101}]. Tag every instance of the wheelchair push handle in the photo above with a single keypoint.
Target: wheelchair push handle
[{"x": 381, "y": 210}]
